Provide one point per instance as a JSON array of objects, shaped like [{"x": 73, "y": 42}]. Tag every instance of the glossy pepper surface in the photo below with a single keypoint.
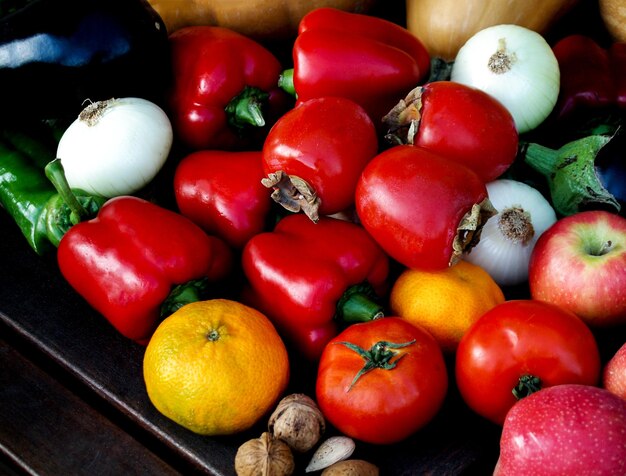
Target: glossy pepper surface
[
  {"x": 29, "y": 196},
  {"x": 222, "y": 192},
  {"x": 367, "y": 59},
  {"x": 592, "y": 77},
  {"x": 137, "y": 262},
  {"x": 308, "y": 277},
  {"x": 57, "y": 54},
  {"x": 225, "y": 84}
]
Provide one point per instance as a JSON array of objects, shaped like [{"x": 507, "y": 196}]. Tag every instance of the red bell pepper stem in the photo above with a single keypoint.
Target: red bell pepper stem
[
  {"x": 186, "y": 293},
  {"x": 56, "y": 174},
  {"x": 358, "y": 304},
  {"x": 285, "y": 82},
  {"x": 246, "y": 108}
]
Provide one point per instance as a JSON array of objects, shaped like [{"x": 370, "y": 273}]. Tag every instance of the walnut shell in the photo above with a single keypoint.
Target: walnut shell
[
  {"x": 264, "y": 456},
  {"x": 298, "y": 422}
]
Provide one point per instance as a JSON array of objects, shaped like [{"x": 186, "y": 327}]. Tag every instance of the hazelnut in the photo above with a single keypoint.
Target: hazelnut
[{"x": 351, "y": 467}]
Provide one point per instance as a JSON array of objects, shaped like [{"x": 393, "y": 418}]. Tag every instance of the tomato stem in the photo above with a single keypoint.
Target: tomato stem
[
  {"x": 377, "y": 357},
  {"x": 526, "y": 385}
]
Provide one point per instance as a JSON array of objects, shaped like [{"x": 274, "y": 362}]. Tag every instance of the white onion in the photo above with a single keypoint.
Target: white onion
[
  {"x": 508, "y": 238},
  {"x": 115, "y": 147},
  {"x": 516, "y": 66}
]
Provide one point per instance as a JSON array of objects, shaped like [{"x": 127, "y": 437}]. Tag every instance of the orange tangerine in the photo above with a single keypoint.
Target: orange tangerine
[
  {"x": 445, "y": 302},
  {"x": 215, "y": 367}
]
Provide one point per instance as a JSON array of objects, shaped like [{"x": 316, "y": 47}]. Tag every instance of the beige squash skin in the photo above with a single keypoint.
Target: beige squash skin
[
  {"x": 259, "y": 19},
  {"x": 613, "y": 13},
  {"x": 445, "y": 25}
]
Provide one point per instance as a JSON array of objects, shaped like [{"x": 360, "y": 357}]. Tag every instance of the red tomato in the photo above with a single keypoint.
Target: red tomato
[
  {"x": 222, "y": 193},
  {"x": 523, "y": 338},
  {"x": 412, "y": 202},
  {"x": 463, "y": 124},
  {"x": 326, "y": 142},
  {"x": 403, "y": 390}
]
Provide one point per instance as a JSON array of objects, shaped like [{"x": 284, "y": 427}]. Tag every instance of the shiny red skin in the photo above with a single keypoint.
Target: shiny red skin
[
  {"x": 298, "y": 272},
  {"x": 412, "y": 200},
  {"x": 367, "y": 59},
  {"x": 562, "y": 430},
  {"x": 385, "y": 405},
  {"x": 210, "y": 66},
  {"x": 327, "y": 142},
  {"x": 222, "y": 192},
  {"x": 568, "y": 267},
  {"x": 522, "y": 337},
  {"x": 469, "y": 126},
  {"x": 125, "y": 261}
]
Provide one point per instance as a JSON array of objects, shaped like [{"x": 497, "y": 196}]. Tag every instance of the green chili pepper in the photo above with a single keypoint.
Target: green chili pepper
[{"x": 42, "y": 207}]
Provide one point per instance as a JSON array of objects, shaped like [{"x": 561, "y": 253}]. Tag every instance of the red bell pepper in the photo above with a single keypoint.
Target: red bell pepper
[
  {"x": 222, "y": 192},
  {"x": 224, "y": 86},
  {"x": 592, "y": 77},
  {"x": 308, "y": 277},
  {"x": 137, "y": 262},
  {"x": 367, "y": 59}
]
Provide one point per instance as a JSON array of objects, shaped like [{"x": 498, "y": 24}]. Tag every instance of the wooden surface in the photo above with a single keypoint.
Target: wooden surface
[{"x": 72, "y": 398}]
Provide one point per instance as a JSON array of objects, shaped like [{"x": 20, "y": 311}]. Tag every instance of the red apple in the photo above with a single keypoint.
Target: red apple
[
  {"x": 614, "y": 373},
  {"x": 562, "y": 430},
  {"x": 579, "y": 263}
]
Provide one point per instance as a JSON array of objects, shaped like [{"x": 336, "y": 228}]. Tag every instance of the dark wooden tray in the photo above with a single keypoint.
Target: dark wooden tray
[{"x": 53, "y": 342}]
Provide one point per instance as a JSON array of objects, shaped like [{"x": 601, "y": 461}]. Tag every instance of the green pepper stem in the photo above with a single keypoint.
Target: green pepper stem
[
  {"x": 543, "y": 159},
  {"x": 285, "y": 82},
  {"x": 246, "y": 108},
  {"x": 56, "y": 174},
  {"x": 358, "y": 304},
  {"x": 182, "y": 294},
  {"x": 571, "y": 174}
]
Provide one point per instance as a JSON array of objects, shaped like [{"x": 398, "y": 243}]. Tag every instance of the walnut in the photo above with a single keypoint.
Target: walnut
[
  {"x": 264, "y": 456},
  {"x": 298, "y": 422}
]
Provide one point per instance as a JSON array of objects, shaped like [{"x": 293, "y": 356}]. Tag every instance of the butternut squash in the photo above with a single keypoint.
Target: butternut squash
[
  {"x": 258, "y": 19},
  {"x": 613, "y": 14},
  {"x": 445, "y": 25}
]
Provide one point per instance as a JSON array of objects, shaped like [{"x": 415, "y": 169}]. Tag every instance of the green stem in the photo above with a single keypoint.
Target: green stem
[
  {"x": 182, "y": 294},
  {"x": 377, "y": 357},
  {"x": 358, "y": 304},
  {"x": 440, "y": 70},
  {"x": 526, "y": 385},
  {"x": 571, "y": 174},
  {"x": 56, "y": 174},
  {"x": 285, "y": 82},
  {"x": 247, "y": 108}
]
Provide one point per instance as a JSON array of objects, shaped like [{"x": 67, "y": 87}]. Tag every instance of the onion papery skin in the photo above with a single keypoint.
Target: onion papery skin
[
  {"x": 527, "y": 79},
  {"x": 503, "y": 257},
  {"x": 116, "y": 147}
]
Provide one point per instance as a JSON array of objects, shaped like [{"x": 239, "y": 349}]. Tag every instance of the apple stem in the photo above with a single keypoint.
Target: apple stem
[
  {"x": 526, "y": 385},
  {"x": 607, "y": 246}
]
